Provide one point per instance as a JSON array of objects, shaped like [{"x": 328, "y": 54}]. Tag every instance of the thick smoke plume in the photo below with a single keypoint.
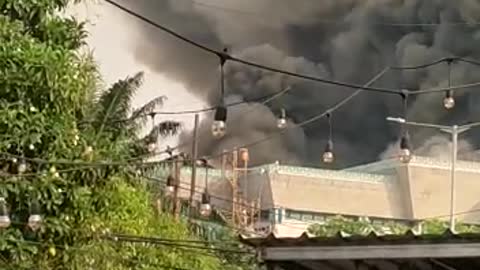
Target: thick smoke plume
[{"x": 347, "y": 40}]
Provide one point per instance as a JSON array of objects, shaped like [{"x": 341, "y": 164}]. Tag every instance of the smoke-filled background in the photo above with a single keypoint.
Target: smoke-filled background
[{"x": 346, "y": 40}]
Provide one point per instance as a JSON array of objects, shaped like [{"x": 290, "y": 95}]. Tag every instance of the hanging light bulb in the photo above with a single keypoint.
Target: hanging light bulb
[
  {"x": 405, "y": 153},
  {"x": 449, "y": 101},
  {"x": 151, "y": 147},
  {"x": 328, "y": 156},
  {"x": 35, "y": 219},
  {"x": 22, "y": 166},
  {"x": 205, "y": 207},
  {"x": 170, "y": 188},
  {"x": 31, "y": 147},
  {"x": 219, "y": 126},
  {"x": 244, "y": 155},
  {"x": 4, "y": 218},
  {"x": 282, "y": 120},
  {"x": 54, "y": 172},
  {"x": 88, "y": 151}
]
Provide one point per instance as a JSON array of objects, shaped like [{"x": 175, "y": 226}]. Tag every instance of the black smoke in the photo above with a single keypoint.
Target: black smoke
[{"x": 347, "y": 40}]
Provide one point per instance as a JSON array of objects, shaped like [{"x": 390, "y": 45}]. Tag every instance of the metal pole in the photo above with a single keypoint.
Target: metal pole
[
  {"x": 175, "y": 206},
  {"x": 452, "y": 176},
  {"x": 235, "y": 207},
  {"x": 194, "y": 165}
]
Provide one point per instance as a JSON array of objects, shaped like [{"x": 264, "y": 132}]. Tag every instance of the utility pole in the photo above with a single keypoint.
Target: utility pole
[
  {"x": 176, "y": 201},
  {"x": 194, "y": 165},
  {"x": 234, "y": 182},
  {"x": 246, "y": 202},
  {"x": 224, "y": 164},
  {"x": 454, "y": 131}
]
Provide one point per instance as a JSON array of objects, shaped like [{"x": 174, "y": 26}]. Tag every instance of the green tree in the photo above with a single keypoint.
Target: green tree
[
  {"x": 335, "y": 225},
  {"x": 112, "y": 115},
  {"x": 49, "y": 111}
]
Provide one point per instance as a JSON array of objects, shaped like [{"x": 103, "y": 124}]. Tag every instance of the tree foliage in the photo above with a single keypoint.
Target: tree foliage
[
  {"x": 363, "y": 226},
  {"x": 52, "y": 109}
]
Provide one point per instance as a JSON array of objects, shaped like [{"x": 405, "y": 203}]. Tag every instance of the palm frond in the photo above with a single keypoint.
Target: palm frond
[
  {"x": 114, "y": 104},
  {"x": 163, "y": 129},
  {"x": 141, "y": 114}
]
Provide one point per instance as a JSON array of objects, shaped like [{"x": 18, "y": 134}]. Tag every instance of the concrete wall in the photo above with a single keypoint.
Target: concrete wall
[
  {"x": 430, "y": 184},
  {"x": 337, "y": 192},
  {"x": 386, "y": 189}
]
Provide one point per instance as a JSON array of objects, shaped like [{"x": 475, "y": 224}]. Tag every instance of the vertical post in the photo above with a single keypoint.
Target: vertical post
[
  {"x": 194, "y": 166},
  {"x": 234, "y": 187},
  {"x": 452, "y": 176},
  {"x": 253, "y": 207},
  {"x": 224, "y": 164},
  {"x": 245, "y": 179},
  {"x": 176, "y": 201}
]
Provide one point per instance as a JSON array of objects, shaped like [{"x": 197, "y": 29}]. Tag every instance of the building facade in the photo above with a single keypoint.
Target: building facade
[{"x": 292, "y": 198}]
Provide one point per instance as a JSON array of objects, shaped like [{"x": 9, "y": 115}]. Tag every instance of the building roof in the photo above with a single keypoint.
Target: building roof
[
  {"x": 343, "y": 239},
  {"x": 386, "y": 252},
  {"x": 387, "y": 165}
]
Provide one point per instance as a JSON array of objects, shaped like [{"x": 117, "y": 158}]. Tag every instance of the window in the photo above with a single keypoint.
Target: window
[
  {"x": 307, "y": 217},
  {"x": 265, "y": 215},
  {"x": 294, "y": 215}
]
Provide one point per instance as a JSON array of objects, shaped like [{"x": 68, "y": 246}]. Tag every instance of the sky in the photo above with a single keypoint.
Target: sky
[
  {"x": 342, "y": 40},
  {"x": 112, "y": 42}
]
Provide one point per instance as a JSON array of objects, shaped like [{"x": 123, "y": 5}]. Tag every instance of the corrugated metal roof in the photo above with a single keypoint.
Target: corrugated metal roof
[{"x": 342, "y": 239}]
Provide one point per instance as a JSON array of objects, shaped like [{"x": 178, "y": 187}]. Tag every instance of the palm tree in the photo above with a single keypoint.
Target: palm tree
[{"x": 113, "y": 115}]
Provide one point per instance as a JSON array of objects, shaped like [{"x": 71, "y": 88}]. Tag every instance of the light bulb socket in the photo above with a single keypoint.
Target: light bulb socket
[
  {"x": 283, "y": 114},
  {"x": 170, "y": 181},
  {"x": 449, "y": 94},
  {"x": 35, "y": 208},
  {"x": 221, "y": 114},
  {"x": 329, "y": 146},
  {"x": 404, "y": 142},
  {"x": 205, "y": 198},
  {"x": 22, "y": 166},
  {"x": 3, "y": 207}
]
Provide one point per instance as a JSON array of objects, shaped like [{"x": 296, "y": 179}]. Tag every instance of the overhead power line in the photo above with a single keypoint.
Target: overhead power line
[
  {"x": 160, "y": 241},
  {"x": 267, "y": 97},
  {"x": 227, "y": 57},
  {"x": 117, "y": 256},
  {"x": 85, "y": 163},
  {"x": 329, "y": 111}
]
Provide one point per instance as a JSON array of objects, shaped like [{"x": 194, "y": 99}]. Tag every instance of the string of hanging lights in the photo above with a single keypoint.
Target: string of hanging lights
[
  {"x": 314, "y": 118},
  {"x": 328, "y": 156},
  {"x": 295, "y": 74},
  {"x": 34, "y": 220},
  {"x": 449, "y": 101},
  {"x": 205, "y": 206},
  {"x": 172, "y": 184},
  {"x": 219, "y": 125},
  {"x": 282, "y": 120}
]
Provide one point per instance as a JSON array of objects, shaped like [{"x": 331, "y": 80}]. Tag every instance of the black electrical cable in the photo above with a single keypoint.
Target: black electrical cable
[
  {"x": 227, "y": 57},
  {"x": 314, "y": 118},
  {"x": 85, "y": 163},
  {"x": 159, "y": 241},
  {"x": 198, "y": 190},
  {"x": 194, "y": 111}
]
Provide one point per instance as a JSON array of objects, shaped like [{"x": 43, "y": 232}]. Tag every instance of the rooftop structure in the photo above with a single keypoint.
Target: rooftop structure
[
  {"x": 393, "y": 252},
  {"x": 293, "y": 197}
]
